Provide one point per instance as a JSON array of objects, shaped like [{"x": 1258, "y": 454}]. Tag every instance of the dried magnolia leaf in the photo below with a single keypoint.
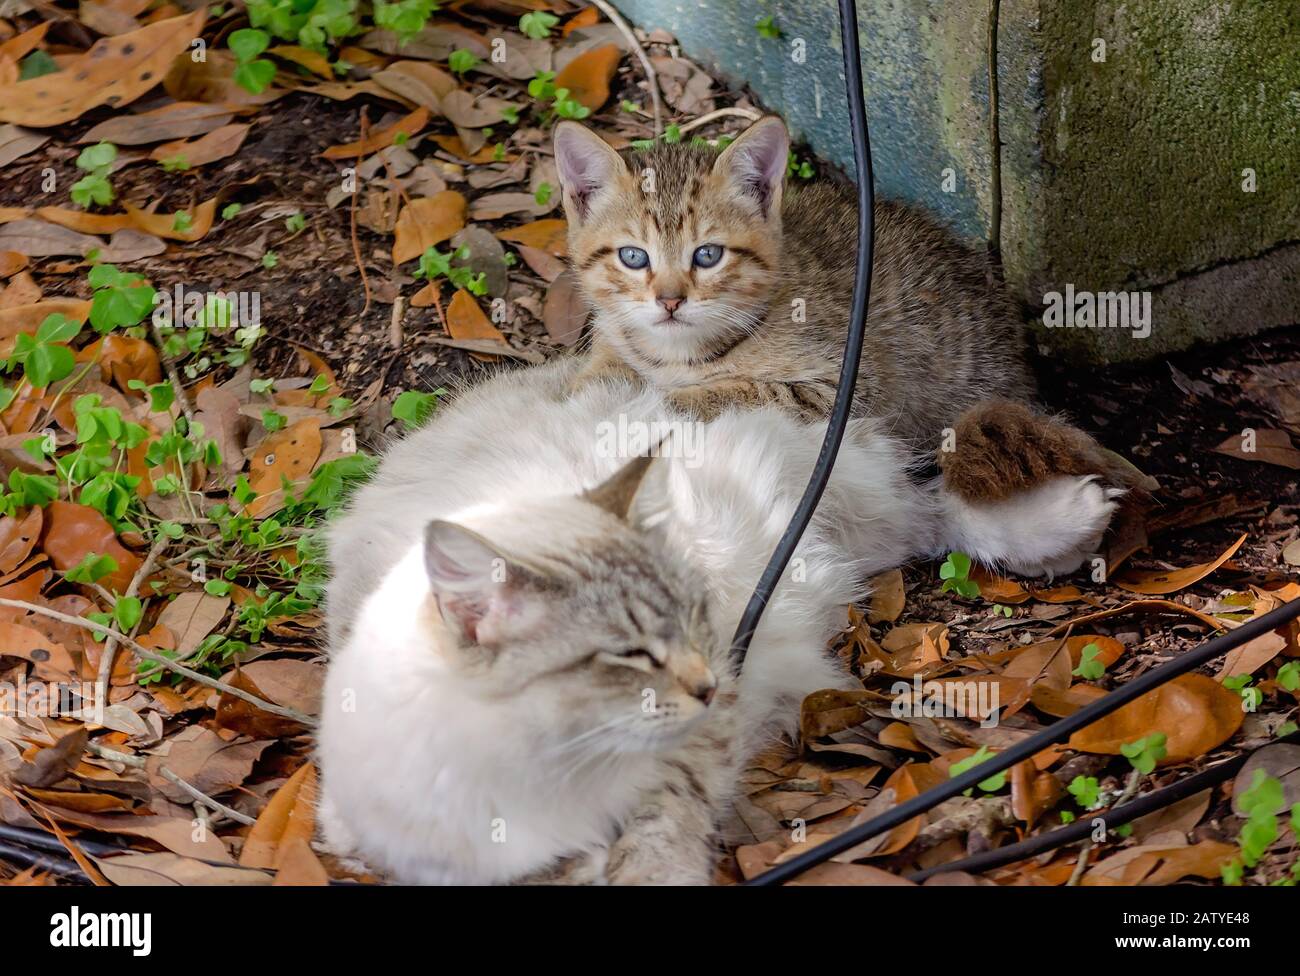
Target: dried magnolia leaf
[
  {"x": 381, "y": 138},
  {"x": 1160, "y": 582},
  {"x": 116, "y": 71},
  {"x": 426, "y": 223},
  {"x": 1195, "y": 713}
]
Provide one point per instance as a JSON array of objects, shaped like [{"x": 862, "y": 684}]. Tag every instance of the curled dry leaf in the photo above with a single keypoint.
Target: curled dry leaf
[
  {"x": 52, "y": 660},
  {"x": 380, "y": 138},
  {"x": 426, "y": 223},
  {"x": 116, "y": 71},
  {"x": 1160, "y": 582},
  {"x": 209, "y": 148},
  {"x": 290, "y": 816},
  {"x": 164, "y": 224},
  {"x": 1195, "y": 713}
]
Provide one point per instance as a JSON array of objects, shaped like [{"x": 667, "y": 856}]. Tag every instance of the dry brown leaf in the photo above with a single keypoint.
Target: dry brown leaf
[
  {"x": 116, "y": 71},
  {"x": 466, "y": 320},
  {"x": 380, "y": 138},
  {"x": 72, "y": 531},
  {"x": 11, "y": 262},
  {"x": 175, "y": 121},
  {"x": 1156, "y": 865},
  {"x": 588, "y": 75},
  {"x": 203, "y": 759},
  {"x": 18, "y": 536},
  {"x": 888, "y": 597},
  {"x": 299, "y": 866},
  {"x": 1160, "y": 582},
  {"x": 1270, "y": 446},
  {"x": 1033, "y": 793},
  {"x": 549, "y": 234},
  {"x": 291, "y": 815},
  {"x": 191, "y": 616},
  {"x": 426, "y": 223},
  {"x": 21, "y": 45},
  {"x": 1139, "y": 606},
  {"x": 313, "y": 61},
  {"x": 166, "y": 868},
  {"x": 83, "y": 222},
  {"x": 564, "y": 314},
  {"x": 418, "y": 81},
  {"x": 164, "y": 224},
  {"x": 290, "y": 453},
  {"x": 215, "y": 145},
  {"x": 1195, "y": 713}
]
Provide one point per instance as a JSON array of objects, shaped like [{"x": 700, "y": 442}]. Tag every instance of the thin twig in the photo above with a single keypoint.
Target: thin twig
[
  {"x": 110, "y": 645},
  {"x": 165, "y": 662},
  {"x": 352, "y": 216},
  {"x": 395, "y": 323},
  {"x": 201, "y": 797},
  {"x": 651, "y": 76},
  {"x": 721, "y": 113}
]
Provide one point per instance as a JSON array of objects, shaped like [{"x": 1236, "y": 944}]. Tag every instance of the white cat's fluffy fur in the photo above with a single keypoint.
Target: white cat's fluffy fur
[{"x": 415, "y": 770}]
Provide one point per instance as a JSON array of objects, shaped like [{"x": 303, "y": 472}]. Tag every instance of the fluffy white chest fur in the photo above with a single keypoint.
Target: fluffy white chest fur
[{"x": 429, "y": 779}]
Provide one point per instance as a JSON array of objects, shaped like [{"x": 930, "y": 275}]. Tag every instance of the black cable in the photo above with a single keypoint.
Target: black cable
[
  {"x": 1057, "y": 732},
  {"x": 852, "y": 346},
  {"x": 1137, "y": 807}
]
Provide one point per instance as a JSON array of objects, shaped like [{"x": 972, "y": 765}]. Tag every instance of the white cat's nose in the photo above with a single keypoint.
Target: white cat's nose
[{"x": 670, "y": 304}]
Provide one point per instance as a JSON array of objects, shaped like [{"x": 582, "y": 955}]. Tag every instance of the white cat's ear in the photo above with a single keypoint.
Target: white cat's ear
[
  {"x": 586, "y": 164},
  {"x": 480, "y": 592},
  {"x": 755, "y": 163}
]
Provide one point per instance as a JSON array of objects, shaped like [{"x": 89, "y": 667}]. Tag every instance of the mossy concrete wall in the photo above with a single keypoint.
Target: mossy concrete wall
[{"x": 1148, "y": 145}]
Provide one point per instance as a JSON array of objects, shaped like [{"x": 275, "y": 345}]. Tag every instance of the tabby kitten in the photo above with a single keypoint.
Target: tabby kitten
[{"x": 713, "y": 280}]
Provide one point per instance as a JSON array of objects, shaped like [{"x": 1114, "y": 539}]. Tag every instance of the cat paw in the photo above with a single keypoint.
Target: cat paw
[
  {"x": 1047, "y": 531},
  {"x": 1003, "y": 448}
]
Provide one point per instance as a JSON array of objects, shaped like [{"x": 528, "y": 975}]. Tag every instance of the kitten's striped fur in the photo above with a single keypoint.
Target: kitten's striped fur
[{"x": 944, "y": 342}]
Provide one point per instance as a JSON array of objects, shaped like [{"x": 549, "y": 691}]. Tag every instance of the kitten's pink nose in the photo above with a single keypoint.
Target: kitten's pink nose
[{"x": 671, "y": 304}]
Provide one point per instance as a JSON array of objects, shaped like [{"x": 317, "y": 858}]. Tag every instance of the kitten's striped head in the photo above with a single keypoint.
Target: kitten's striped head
[
  {"x": 567, "y": 610},
  {"x": 677, "y": 247}
]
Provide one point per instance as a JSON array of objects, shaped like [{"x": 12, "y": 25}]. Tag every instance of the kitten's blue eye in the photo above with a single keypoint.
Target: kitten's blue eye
[
  {"x": 707, "y": 255},
  {"x": 633, "y": 257}
]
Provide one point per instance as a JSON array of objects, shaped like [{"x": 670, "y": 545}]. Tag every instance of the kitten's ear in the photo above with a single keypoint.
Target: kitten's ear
[
  {"x": 755, "y": 163},
  {"x": 615, "y": 493},
  {"x": 586, "y": 164},
  {"x": 481, "y": 593}
]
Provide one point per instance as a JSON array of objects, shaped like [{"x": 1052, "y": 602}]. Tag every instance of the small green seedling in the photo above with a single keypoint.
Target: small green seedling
[
  {"x": 990, "y": 785},
  {"x": 1090, "y": 668},
  {"x": 955, "y": 573},
  {"x": 94, "y": 189},
  {"x": 1144, "y": 753}
]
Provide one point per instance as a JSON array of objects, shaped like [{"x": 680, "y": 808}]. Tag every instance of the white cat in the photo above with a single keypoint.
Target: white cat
[{"x": 529, "y": 676}]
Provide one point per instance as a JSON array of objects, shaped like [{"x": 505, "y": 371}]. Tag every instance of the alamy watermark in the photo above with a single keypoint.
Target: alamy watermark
[
  {"x": 624, "y": 438},
  {"x": 946, "y": 699},
  {"x": 191, "y": 308},
  {"x": 53, "y": 699},
  {"x": 1098, "y": 310}
]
